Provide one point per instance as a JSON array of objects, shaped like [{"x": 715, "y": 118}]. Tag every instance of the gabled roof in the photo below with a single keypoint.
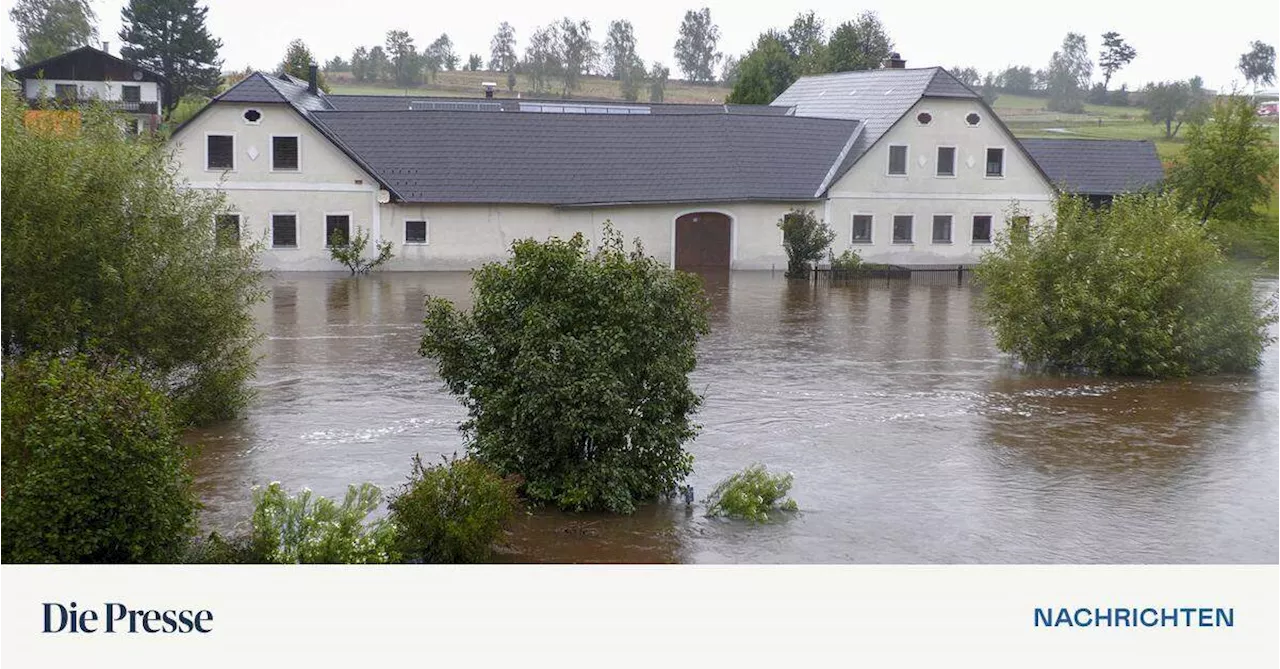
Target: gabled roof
[
  {"x": 87, "y": 64},
  {"x": 581, "y": 159},
  {"x": 1098, "y": 166},
  {"x": 877, "y": 98},
  {"x": 440, "y": 103}
]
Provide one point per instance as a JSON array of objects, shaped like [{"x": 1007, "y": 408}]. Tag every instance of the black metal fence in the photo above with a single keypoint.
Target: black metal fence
[{"x": 959, "y": 275}]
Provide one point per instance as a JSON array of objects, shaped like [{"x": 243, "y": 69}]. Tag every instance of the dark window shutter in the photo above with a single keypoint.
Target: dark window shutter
[
  {"x": 415, "y": 232},
  {"x": 284, "y": 230},
  {"x": 221, "y": 152},
  {"x": 284, "y": 153},
  {"x": 341, "y": 224}
]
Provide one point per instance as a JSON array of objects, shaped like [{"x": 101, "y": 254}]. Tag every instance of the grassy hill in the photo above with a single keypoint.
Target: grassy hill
[{"x": 468, "y": 84}]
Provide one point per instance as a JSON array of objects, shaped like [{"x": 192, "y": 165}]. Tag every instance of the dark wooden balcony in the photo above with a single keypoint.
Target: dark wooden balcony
[{"x": 123, "y": 106}]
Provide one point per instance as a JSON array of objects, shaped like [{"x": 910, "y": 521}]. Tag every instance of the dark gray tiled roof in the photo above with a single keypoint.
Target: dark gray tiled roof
[
  {"x": 877, "y": 98},
  {"x": 1097, "y": 166},
  {"x": 253, "y": 88},
  {"x": 575, "y": 159}
]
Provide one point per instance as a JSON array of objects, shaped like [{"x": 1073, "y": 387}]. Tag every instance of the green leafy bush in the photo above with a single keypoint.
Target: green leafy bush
[
  {"x": 574, "y": 368},
  {"x": 105, "y": 253},
  {"x": 751, "y": 494},
  {"x": 351, "y": 252},
  {"x": 451, "y": 512},
  {"x": 310, "y": 529},
  {"x": 1134, "y": 289},
  {"x": 94, "y": 469},
  {"x": 849, "y": 261},
  {"x": 805, "y": 239}
]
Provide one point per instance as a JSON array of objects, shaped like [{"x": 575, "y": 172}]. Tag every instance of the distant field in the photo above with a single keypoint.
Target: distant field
[
  {"x": 468, "y": 84},
  {"x": 1026, "y": 117}
]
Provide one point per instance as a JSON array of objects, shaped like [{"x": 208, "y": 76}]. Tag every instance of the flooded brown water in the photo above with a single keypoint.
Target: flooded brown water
[{"x": 911, "y": 438}]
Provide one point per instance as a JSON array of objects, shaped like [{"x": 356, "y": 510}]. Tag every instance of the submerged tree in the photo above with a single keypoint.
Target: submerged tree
[
  {"x": 574, "y": 367},
  {"x": 1134, "y": 289},
  {"x": 805, "y": 239},
  {"x": 153, "y": 290},
  {"x": 350, "y": 252}
]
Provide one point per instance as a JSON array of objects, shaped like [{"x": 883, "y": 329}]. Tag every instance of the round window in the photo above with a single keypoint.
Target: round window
[
  {"x": 252, "y": 115},
  {"x": 973, "y": 119},
  {"x": 924, "y": 118}
]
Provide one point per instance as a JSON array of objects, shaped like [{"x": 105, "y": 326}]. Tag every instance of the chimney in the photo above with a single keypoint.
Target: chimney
[
  {"x": 489, "y": 87},
  {"x": 106, "y": 46},
  {"x": 313, "y": 78},
  {"x": 894, "y": 62}
]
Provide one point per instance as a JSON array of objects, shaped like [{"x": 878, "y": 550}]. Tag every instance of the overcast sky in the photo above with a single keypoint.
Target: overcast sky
[{"x": 1173, "y": 41}]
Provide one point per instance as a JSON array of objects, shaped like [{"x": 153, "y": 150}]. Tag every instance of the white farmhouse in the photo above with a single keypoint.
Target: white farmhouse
[{"x": 909, "y": 166}]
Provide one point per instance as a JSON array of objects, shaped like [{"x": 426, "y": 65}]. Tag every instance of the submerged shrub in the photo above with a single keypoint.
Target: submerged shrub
[
  {"x": 106, "y": 253},
  {"x": 451, "y": 512},
  {"x": 350, "y": 252},
  {"x": 849, "y": 261},
  {"x": 805, "y": 239},
  {"x": 94, "y": 469},
  {"x": 1134, "y": 289},
  {"x": 751, "y": 494},
  {"x": 574, "y": 368},
  {"x": 219, "y": 549},
  {"x": 310, "y": 529}
]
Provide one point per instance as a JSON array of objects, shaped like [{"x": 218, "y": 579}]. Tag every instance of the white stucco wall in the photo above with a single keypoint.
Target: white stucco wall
[
  {"x": 868, "y": 188},
  {"x": 459, "y": 236},
  {"x": 102, "y": 90}
]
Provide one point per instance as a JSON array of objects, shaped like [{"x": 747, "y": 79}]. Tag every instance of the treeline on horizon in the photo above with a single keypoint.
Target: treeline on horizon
[{"x": 555, "y": 57}]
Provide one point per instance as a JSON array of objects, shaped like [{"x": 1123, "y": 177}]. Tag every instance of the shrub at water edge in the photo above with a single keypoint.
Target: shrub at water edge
[
  {"x": 1134, "y": 289},
  {"x": 105, "y": 253},
  {"x": 94, "y": 469},
  {"x": 751, "y": 494},
  {"x": 574, "y": 368},
  {"x": 451, "y": 512},
  {"x": 351, "y": 252},
  {"x": 805, "y": 239},
  {"x": 311, "y": 529}
]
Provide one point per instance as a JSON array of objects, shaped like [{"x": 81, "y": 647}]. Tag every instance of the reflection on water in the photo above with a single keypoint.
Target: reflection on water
[{"x": 911, "y": 438}]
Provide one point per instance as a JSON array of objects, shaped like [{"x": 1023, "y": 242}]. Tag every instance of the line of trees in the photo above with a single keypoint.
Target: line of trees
[{"x": 778, "y": 58}]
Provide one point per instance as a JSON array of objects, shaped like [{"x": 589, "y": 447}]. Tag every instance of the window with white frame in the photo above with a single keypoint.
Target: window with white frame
[
  {"x": 220, "y": 152},
  {"x": 995, "y": 162},
  {"x": 942, "y": 228},
  {"x": 337, "y": 229},
  {"x": 861, "y": 229},
  {"x": 284, "y": 231},
  {"x": 902, "y": 225},
  {"x": 946, "y": 161},
  {"x": 982, "y": 229},
  {"x": 284, "y": 153},
  {"x": 227, "y": 229},
  {"x": 415, "y": 232},
  {"x": 898, "y": 159}
]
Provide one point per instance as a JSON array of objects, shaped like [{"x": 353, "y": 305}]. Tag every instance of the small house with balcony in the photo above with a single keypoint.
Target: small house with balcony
[{"x": 87, "y": 74}]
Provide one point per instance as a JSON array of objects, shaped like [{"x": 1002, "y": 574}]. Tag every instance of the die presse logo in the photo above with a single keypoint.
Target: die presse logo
[{"x": 116, "y": 618}]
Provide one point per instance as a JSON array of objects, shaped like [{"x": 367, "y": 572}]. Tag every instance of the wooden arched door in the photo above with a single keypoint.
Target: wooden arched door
[{"x": 703, "y": 240}]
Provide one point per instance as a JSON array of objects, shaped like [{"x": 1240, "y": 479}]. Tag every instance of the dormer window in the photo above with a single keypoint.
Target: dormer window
[
  {"x": 973, "y": 119},
  {"x": 252, "y": 116},
  {"x": 924, "y": 118}
]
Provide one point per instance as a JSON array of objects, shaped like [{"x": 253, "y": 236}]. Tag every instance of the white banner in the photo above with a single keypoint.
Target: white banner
[{"x": 709, "y": 616}]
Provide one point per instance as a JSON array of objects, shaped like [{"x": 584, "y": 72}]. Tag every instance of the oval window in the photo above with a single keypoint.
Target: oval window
[
  {"x": 924, "y": 118},
  {"x": 973, "y": 119},
  {"x": 252, "y": 115}
]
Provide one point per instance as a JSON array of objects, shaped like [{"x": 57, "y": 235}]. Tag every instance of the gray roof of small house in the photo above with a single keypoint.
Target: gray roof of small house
[
  {"x": 579, "y": 159},
  {"x": 1098, "y": 166}
]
